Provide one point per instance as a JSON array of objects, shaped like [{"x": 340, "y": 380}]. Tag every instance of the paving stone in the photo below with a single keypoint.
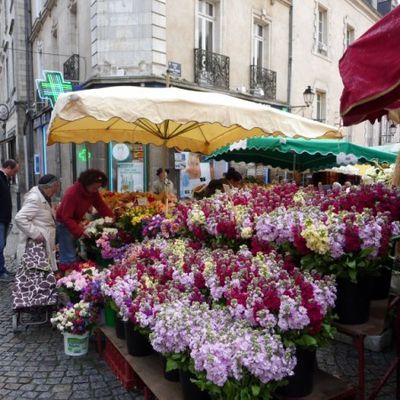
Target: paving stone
[
  {"x": 61, "y": 396},
  {"x": 29, "y": 395},
  {"x": 67, "y": 379},
  {"x": 24, "y": 380},
  {"x": 56, "y": 374},
  {"x": 81, "y": 379},
  {"x": 43, "y": 388},
  {"x": 12, "y": 386},
  {"x": 29, "y": 387},
  {"x": 80, "y": 386},
  {"x": 53, "y": 381},
  {"x": 62, "y": 388},
  {"x": 81, "y": 395}
]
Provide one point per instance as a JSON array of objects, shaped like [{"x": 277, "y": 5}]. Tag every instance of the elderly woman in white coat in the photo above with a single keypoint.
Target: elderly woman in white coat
[{"x": 36, "y": 219}]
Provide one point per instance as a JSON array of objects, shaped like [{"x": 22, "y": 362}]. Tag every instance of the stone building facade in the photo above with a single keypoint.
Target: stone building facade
[
  {"x": 267, "y": 51},
  {"x": 14, "y": 67}
]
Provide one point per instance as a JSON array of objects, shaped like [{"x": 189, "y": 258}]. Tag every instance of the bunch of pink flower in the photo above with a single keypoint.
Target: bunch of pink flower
[
  {"x": 218, "y": 345},
  {"x": 76, "y": 266},
  {"x": 310, "y": 230},
  {"x": 378, "y": 198},
  {"x": 108, "y": 246},
  {"x": 77, "y": 280},
  {"x": 260, "y": 290},
  {"x": 75, "y": 318}
]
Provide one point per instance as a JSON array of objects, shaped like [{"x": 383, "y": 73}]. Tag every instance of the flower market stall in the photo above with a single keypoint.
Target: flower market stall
[
  {"x": 236, "y": 292},
  {"x": 239, "y": 289},
  {"x": 188, "y": 120},
  {"x": 300, "y": 154}
]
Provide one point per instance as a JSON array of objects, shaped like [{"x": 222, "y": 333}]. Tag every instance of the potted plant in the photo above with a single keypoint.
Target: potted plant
[{"x": 75, "y": 321}]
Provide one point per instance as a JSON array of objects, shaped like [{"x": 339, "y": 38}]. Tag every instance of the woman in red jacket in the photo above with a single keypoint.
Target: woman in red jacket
[{"x": 77, "y": 201}]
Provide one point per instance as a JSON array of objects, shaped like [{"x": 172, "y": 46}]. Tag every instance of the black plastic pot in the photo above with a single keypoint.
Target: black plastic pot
[
  {"x": 191, "y": 391},
  {"x": 380, "y": 285},
  {"x": 119, "y": 327},
  {"x": 353, "y": 301},
  {"x": 172, "y": 376},
  {"x": 138, "y": 345},
  {"x": 302, "y": 382}
]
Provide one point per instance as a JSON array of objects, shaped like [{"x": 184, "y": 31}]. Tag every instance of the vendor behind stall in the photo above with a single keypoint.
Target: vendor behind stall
[
  {"x": 77, "y": 201},
  {"x": 162, "y": 184}
]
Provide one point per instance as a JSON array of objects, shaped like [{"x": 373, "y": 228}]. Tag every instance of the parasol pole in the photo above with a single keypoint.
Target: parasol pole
[
  {"x": 396, "y": 182},
  {"x": 294, "y": 166}
]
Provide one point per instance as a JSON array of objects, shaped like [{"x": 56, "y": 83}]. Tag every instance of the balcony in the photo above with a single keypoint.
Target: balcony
[
  {"x": 71, "y": 69},
  {"x": 211, "y": 69},
  {"x": 265, "y": 79}
]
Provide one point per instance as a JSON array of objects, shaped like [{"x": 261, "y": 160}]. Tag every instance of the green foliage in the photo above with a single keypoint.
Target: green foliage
[
  {"x": 350, "y": 266},
  {"x": 310, "y": 340},
  {"x": 247, "y": 388}
]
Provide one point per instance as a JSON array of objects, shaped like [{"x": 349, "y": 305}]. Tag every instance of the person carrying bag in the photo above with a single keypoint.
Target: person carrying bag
[{"x": 35, "y": 280}]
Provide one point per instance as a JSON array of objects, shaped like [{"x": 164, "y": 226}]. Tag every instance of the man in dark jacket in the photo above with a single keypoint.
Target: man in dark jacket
[{"x": 9, "y": 169}]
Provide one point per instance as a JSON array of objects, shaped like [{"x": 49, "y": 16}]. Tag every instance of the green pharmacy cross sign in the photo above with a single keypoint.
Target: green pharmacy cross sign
[
  {"x": 84, "y": 155},
  {"x": 52, "y": 86}
]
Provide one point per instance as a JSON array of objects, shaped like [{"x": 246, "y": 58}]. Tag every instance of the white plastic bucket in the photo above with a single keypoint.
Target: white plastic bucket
[{"x": 76, "y": 345}]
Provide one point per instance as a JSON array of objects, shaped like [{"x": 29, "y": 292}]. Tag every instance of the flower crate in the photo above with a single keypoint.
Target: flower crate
[{"x": 118, "y": 364}]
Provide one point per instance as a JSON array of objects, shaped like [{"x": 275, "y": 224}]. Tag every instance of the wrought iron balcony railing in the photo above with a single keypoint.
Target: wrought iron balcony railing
[
  {"x": 265, "y": 79},
  {"x": 211, "y": 69},
  {"x": 71, "y": 69}
]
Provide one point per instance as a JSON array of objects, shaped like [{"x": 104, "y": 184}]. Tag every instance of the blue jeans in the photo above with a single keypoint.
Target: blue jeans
[
  {"x": 67, "y": 245},
  {"x": 3, "y": 241}
]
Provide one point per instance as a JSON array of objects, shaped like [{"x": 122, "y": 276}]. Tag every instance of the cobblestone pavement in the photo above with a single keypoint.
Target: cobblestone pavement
[
  {"x": 341, "y": 360},
  {"x": 33, "y": 364}
]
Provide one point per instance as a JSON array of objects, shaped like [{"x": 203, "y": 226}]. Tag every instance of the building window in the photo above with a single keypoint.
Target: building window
[
  {"x": 38, "y": 7},
  {"x": 206, "y": 25},
  {"x": 322, "y": 31},
  {"x": 321, "y": 106},
  {"x": 259, "y": 40},
  {"x": 369, "y": 134},
  {"x": 349, "y": 35}
]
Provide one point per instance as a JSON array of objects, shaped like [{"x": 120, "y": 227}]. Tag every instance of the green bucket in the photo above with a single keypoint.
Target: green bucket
[{"x": 109, "y": 315}]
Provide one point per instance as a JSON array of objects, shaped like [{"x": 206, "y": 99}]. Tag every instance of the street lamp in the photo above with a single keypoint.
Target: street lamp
[
  {"x": 392, "y": 129},
  {"x": 308, "y": 96},
  {"x": 390, "y": 132}
]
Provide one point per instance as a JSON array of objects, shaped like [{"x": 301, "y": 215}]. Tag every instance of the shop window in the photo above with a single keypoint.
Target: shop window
[{"x": 127, "y": 167}]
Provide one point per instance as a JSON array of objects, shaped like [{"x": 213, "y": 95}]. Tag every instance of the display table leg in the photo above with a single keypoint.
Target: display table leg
[
  {"x": 397, "y": 336},
  {"x": 359, "y": 343}
]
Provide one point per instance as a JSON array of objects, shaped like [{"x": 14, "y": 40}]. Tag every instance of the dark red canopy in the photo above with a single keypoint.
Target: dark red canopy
[{"x": 370, "y": 70}]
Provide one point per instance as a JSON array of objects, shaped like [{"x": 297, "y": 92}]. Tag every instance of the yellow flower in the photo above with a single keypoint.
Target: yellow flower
[{"x": 316, "y": 237}]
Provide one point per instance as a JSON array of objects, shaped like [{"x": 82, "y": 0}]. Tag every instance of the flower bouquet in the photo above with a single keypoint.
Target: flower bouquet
[
  {"x": 95, "y": 230},
  {"x": 76, "y": 282},
  {"x": 75, "y": 321}
]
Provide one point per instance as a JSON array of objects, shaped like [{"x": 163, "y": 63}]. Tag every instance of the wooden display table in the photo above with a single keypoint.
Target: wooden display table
[
  {"x": 327, "y": 387},
  {"x": 151, "y": 379},
  {"x": 148, "y": 369},
  {"x": 375, "y": 327}
]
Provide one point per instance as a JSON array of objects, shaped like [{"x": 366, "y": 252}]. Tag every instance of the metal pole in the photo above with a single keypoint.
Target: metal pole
[{"x": 294, "y": 165}]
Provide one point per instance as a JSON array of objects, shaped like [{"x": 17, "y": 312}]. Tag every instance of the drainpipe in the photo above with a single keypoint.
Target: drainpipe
[
  {"x": 290, "y": 57},
  {"x": 28, "y": 132}
]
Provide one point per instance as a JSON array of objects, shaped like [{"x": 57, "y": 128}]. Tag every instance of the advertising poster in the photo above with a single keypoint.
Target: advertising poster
[
  {"x": 130, "y": 177},
  {"x": 193, "y": 173}
]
